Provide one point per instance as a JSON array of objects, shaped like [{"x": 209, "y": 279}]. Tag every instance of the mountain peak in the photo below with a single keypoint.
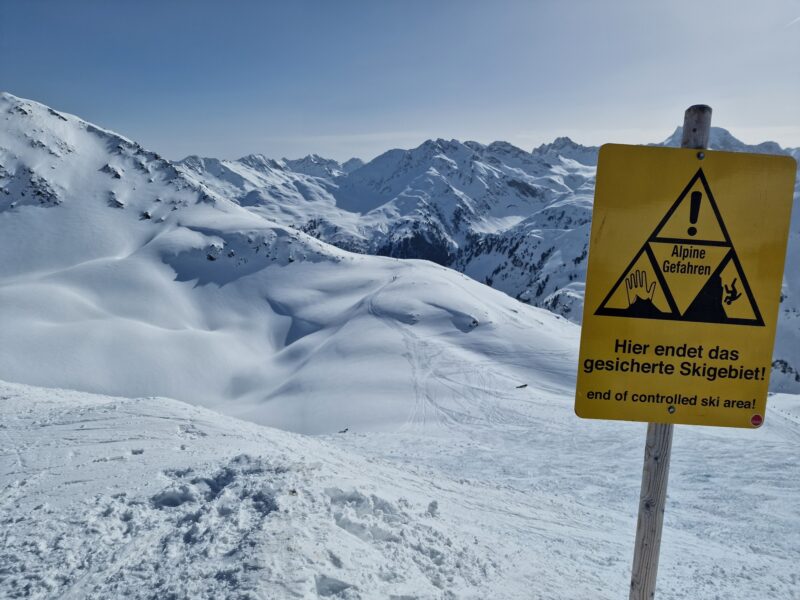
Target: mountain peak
[
  {"x": 260, "y": 162},
  {"x": 564, "y": 141},
  {"x": 560, "y": 143},
  {"x": 504, "y": 147},
  {"x": 565, "y": 147},
  {"x": 352, "y": 164},
  {"x": 441, "y": 144},
  {"x": 314, "y": 165},
  {"x": 12, "y": 99},
  {"x": 722, "y": 139}
]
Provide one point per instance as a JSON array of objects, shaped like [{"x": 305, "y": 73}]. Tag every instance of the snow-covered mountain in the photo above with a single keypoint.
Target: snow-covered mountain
[
  {"x": 517, "y": 221},
  {"x": 453, "y": 467},
  {"x": 124, "y": 274},
  {"x": 443, "y": 201}
]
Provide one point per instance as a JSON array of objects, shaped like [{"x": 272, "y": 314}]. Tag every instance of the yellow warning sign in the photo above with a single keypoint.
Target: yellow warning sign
[{"x": 685, "y": 267}]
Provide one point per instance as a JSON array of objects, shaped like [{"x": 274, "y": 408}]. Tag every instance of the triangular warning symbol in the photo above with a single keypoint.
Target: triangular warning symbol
[{"x": 687, "y": 270}]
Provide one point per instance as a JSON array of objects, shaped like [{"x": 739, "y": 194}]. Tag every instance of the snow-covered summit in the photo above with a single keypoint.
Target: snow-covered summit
[
  {"x": 565, "y": 148},
  {"x": 315, "y": 165}
]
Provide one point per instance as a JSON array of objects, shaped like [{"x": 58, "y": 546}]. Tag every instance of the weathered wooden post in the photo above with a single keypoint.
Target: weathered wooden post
[{"x": 655, "y": 473}]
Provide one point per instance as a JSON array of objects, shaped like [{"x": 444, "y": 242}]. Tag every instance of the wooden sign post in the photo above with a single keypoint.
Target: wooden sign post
[
  {"x": 658, "y": 446},
  {"x": 681, "y": 301}
]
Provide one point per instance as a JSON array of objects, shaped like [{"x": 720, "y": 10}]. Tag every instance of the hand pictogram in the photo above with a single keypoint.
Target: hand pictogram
[{"x": 636, "y": 287}]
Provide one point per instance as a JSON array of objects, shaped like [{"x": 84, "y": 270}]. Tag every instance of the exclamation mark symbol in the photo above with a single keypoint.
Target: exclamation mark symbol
[{"x": 694, "y": 211}]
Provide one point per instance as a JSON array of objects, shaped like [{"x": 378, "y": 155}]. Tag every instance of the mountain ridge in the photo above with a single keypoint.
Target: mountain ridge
[{"x": 515, "y": 220}]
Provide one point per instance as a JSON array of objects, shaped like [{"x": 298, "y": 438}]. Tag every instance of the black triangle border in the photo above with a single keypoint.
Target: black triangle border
[
  {"x": 702, "y": 177},
  {"x": 603, "y": 310}
]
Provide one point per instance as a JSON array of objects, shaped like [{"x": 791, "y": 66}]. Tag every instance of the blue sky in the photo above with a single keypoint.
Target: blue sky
[{"x": 356, "y": 78}]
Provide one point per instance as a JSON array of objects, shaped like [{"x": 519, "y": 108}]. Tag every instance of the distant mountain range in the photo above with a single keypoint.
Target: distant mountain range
[
  {"x": 512, "y": 219},
  {"x": 515, "y": 220}
]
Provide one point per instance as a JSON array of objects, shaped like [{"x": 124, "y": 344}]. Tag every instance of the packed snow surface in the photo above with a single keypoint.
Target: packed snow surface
[{"x": 104, "y": 497}]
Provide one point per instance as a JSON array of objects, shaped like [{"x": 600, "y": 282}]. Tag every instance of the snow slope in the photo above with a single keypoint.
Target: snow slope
[
  {"x": 104, "y": 497},
  {"x": 129, "y": 277},
  {"x": 515, "y": 220},
  {"x": 152, "y": 498}
]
